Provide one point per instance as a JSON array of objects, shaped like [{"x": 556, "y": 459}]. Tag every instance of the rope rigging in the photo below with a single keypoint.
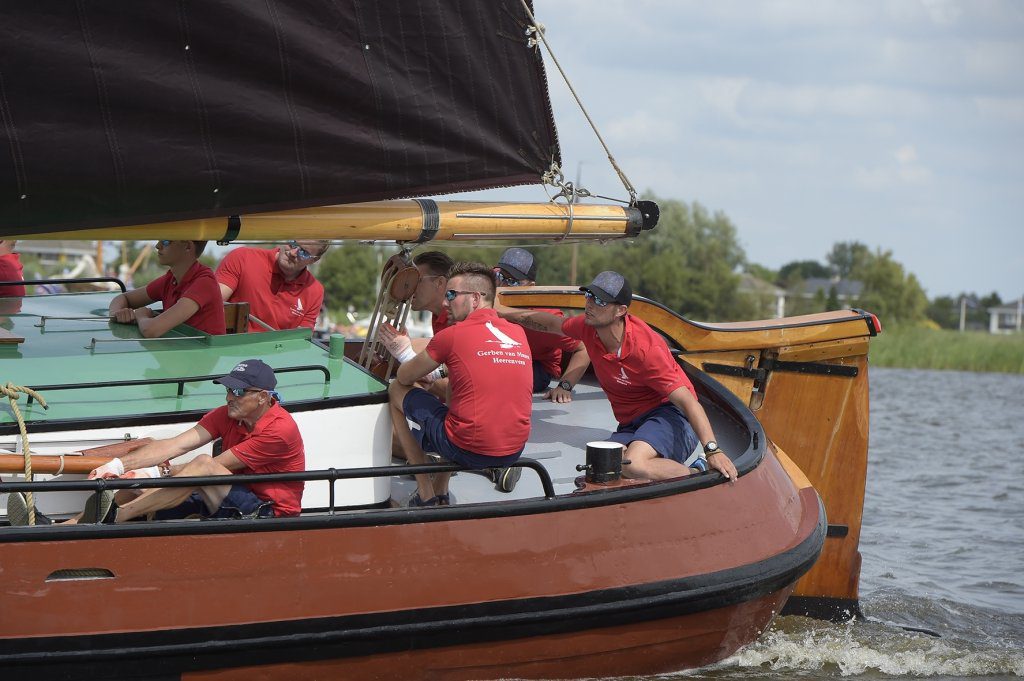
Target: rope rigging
[{"x": 11, "y": 392}]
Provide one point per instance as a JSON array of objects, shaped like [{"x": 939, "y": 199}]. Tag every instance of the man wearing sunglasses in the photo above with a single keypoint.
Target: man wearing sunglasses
[
  {"x": 517, "y": 268},
  {"x": 257, "y": 435},
  {"x": 277, "y": 284},
  {"x": 661, "y": 423},
  {"x": 188, "y": 291},
  {"x": 486, "y": 421}
]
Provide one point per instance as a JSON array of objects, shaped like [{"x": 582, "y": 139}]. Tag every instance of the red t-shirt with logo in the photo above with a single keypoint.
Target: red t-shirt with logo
[
  {"x": 490, "y": 375},
  {"x": 198, "y": 285},
  {"x": 440, "y": 320},
  {"x": 547, "y": 348},
  {"x": 253, "y": 276},
  {"x": 10, "y": 270},
  {"x": 640, "y": 376},
  {"x": 273, "y": 446}
]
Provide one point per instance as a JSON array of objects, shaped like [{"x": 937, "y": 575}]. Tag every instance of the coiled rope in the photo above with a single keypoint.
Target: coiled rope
[{"x": 11, "y": 392}]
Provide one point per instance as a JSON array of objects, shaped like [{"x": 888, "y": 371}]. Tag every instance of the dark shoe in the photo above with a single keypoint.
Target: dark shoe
[
  {"x": 507, "y": 478},
  {"x": 17, "y": 511},
  {"x": 445, "y": 499},
  {"x": 104, "y": 503},
  {"x": 416, "y": 502}
]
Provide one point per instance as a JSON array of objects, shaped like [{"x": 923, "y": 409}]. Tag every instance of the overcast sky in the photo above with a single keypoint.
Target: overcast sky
[{"x": 897, "y": 123}]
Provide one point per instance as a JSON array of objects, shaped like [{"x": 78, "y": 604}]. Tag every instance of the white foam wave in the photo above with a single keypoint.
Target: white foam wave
[{"x": 858, "y": 648}]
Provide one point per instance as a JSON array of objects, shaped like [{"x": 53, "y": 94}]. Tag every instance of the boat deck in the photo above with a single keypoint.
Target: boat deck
[{"x": 558, "y": 439}]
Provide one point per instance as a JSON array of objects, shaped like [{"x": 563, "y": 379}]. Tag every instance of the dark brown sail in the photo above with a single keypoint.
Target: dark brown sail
[{"x": 123, "y": 113}]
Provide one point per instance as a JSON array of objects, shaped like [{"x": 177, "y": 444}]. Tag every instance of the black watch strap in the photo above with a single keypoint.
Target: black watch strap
[{"x": 565, "y": 385}]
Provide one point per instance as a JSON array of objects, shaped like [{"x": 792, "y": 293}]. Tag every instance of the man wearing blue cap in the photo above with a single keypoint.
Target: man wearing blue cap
[
  {"x": 661, "y": 423},
  {"x": 258, "y": 436},
  {"x": 517, "y": 267}
]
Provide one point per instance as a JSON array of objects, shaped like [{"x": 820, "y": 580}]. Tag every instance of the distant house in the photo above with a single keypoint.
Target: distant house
[
  {"x": 769, "y": 298},
  {"x": 847, "y": 290},
  {"x": 66, "y": 253},
  {"x": 1006, "y": 318}
]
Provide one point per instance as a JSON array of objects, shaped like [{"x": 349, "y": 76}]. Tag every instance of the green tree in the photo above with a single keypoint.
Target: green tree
[
  {"x": 846, "y": 257},
  {"x": 889, "y": 292},
  {"x": 349, "y": 274},
  {"x": 799, "y": 270},
  {"x": 945, "y": 311}
]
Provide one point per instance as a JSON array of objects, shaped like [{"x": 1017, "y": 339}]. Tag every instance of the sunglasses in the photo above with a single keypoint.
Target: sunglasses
[
  {"x": 164, "y": 242},
  {"x": 597, "y": 301},
  {"x": 239, "y": 392},
  {"x": 504, "y": 279},
  {"x": 300, "y": 251},
  {"x": 452, "y": 294}
]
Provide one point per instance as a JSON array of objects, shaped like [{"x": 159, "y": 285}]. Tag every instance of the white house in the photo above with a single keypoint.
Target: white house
[{"x": 1006, "y": 318}]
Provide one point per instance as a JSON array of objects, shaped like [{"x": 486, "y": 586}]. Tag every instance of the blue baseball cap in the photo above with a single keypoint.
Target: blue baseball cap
[
  {"x": 251, "y": 373},
  {"x": 519, "y": 263}
]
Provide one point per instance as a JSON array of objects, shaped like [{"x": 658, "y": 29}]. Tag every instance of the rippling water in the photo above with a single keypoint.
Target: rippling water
[{"x": 942, "y": 542}]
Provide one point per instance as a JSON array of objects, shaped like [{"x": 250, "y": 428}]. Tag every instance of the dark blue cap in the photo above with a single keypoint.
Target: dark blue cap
[
  {"x": 519, "y": 263},
  {"x": 252, "y": 373}
]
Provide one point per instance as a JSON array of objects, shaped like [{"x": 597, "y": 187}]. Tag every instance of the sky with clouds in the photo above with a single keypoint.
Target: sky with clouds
[{"x": 897, "y": 123}]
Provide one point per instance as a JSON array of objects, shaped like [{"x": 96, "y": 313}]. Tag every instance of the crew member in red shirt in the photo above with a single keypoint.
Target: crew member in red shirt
[
  {"x": 489, "y": 373},
  {"x": 281, "y": 291},
  {"x": 10, "y": 269},
  {"x": 517, "y": 268},
  {"x": 258, "y": 436},
  {"x": 661, "y": 423},
  {"x": 188, "y": 291}
]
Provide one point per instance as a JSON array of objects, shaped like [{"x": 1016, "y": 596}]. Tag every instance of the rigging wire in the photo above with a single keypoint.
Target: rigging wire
[{"x": 535, "y": 28}]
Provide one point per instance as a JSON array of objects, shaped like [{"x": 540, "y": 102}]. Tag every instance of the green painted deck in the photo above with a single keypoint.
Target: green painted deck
[{"x": 70, "y": 353}]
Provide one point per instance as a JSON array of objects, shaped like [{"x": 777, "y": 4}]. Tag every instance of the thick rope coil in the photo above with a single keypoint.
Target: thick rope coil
[{"x": 11, "y": 391}]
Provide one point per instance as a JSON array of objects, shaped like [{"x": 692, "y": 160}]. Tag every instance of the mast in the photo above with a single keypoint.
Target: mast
[{"x": 416, "y": 220}]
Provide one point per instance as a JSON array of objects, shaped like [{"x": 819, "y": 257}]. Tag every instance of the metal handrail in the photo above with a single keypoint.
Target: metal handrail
[
  {"x": 86, "y": 280},
  {"x": 181, "y": 381},
  {"x": 330, "y": 474}
]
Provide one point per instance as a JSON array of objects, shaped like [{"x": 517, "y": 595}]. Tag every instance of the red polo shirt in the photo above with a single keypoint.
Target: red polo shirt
[
  {"x": 254, "y": 278},
  {"x": 547, "y": 348},
  {"x": 640, "y": 376},
  {"x": 273, "y": 446},
  {"x": 491, "y": 380},
  {"x": 198, "y": 285},
  {"x": 440, "y": 320},
  {"x": 10, "y": 270}
]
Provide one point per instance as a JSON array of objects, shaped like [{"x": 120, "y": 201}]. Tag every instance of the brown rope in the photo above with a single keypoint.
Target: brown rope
[{"x": 11, "y": 391}]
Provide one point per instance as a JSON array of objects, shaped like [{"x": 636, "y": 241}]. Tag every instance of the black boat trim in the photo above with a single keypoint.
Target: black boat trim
[
  {"x": 839, "y": 531},
  {"x": 817, "y": 368},
  {"x": 204, "y": 648},
  {"x": 823, "y": 608}
]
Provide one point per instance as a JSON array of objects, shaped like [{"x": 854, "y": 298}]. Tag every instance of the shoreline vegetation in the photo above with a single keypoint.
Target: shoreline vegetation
[{"x": 914, "y": 347}]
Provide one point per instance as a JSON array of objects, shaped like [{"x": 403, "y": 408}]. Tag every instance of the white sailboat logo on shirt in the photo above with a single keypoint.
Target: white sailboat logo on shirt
[
  {"x": 298, "y": 310},
  {"x": 506, "y": 341}
]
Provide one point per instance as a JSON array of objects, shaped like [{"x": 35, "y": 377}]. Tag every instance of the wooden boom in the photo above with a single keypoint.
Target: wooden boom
[
  {"x": 408, "y": 220},
  {"x": 71, "y": 463}
]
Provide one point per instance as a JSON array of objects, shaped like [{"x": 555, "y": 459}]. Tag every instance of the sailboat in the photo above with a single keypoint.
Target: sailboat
[{"x": 232, "y": 121}]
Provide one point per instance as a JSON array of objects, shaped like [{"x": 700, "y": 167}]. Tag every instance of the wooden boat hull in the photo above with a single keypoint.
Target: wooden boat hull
[
  {"x": 805, "y": 379},
  {"x": 637, "y": 579}
]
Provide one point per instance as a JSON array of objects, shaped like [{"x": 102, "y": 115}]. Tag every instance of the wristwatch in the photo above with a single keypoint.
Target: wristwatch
[
  {"x": 711, "y": 448},
  {"x": 565, "y": 385}
]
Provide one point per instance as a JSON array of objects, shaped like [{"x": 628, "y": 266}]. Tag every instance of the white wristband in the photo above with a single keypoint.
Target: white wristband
[
  {"x": 116, "y": 466},
  {"x": 150, "y": 472},
  {"x": 405, "y": 355}
]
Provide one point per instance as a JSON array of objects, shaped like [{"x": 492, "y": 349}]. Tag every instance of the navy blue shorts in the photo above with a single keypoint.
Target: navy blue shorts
[
  {"x": 428, "y": 412},
  {"x": 541, "y": 378},
  {"x": 664, "y": 428},
  {"x": 240, "y": 502}
]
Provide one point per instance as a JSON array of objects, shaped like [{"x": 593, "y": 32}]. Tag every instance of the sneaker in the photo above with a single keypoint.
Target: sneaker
[
  {"x": 104, "y": 501},
  {"x": 507, "y": 478},
  {"x": 446, "y": 499},
  {"x": 416, "y": 502},
  {"x": 17, "y": 511}
]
